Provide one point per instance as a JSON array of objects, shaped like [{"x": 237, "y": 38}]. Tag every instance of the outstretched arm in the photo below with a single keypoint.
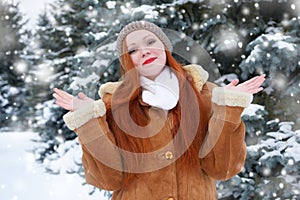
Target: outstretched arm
[
  {"x": 224, "y": 151},
  {"x": 101, "y": 161}
]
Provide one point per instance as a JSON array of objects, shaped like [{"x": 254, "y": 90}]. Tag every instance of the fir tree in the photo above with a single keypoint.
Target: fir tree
[
  {"x": 276, "y": 53},
  {"x": 271, "y": 168},
  {"x": 60, "y": 36},
  {"x": 13, "y": 66}
]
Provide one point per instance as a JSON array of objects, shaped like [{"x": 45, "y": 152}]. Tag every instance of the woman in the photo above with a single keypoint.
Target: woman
[{"x": 164, "y": 131}]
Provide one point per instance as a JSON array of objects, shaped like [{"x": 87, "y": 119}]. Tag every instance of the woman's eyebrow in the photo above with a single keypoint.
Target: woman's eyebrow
[
  {"x": 133, "y": 43},
  {"x": 146, "y": 36}
]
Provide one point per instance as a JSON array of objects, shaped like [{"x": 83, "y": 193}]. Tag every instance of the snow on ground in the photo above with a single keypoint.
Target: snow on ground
[{"x": 21, "y": 178}]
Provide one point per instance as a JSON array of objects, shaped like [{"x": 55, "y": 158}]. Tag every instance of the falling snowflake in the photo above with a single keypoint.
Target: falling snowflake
[{"x": 20, "y": 67}]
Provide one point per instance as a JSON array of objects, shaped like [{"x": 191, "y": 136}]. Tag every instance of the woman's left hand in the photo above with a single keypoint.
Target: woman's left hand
[
  {"x": 70, "y": 102},
  {"x": 251, "y": 86}
]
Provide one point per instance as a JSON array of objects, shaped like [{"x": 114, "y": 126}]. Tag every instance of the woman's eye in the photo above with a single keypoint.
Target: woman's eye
[
  {"x": 131, "y": 51},
  {"x": 152, "y": 41}
]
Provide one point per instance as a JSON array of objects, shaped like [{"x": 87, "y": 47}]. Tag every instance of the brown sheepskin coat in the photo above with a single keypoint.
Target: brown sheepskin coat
[{"x": 224, "y": 149}]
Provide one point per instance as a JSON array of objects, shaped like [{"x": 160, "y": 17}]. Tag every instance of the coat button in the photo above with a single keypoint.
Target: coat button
[{"x": 169, "y": 156}]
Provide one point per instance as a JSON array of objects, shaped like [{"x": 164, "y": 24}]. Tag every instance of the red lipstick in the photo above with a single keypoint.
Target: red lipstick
[{"x": 150, "y": 60}]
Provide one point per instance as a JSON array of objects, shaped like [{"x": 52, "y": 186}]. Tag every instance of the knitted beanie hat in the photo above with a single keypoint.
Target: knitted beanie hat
[{"x": 142, "y": 25}]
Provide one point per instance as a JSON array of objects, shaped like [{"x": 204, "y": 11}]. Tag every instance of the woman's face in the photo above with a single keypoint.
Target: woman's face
[{"x": 147, "y": 53}]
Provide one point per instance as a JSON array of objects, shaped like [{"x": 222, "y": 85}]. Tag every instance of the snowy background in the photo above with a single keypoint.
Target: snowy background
[
  {"x": 69, "y": 44},
  {"x": 22, "y": 178}
]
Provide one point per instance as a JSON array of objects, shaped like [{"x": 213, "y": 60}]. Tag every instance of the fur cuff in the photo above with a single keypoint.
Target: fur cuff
[
  {"x": 226, "y": 97},
  {"x": 79, "y": 117}
]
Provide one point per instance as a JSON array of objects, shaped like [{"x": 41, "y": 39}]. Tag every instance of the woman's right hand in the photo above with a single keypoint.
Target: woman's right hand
[{"x": 70, "y": 102}]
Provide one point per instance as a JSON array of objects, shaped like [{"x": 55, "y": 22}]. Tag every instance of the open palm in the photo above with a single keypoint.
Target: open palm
[
  {"x": 251, "y": 86},
  {"x": 70, "y": 102}
]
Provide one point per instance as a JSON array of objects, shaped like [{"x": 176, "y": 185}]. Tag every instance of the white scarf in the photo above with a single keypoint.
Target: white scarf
[{"x": 163, "y": 92}]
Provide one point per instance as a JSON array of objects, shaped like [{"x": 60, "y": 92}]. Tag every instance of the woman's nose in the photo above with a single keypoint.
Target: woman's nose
[{"x": 144, "y": 51}]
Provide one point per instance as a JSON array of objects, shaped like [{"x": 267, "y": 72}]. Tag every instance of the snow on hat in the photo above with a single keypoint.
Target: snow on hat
[{"x": 142, "y": 25}]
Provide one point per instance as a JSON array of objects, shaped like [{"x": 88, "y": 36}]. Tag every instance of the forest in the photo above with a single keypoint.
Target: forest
[{"x": 72, "y": 47}]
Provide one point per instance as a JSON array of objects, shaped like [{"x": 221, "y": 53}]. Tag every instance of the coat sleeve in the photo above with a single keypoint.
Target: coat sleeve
[
  {"x": 101, "y": 159},
  {"x": 223, "y": 151}
]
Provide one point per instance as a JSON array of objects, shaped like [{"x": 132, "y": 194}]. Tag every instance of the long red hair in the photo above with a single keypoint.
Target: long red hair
[{"x": 129, "y": 94}]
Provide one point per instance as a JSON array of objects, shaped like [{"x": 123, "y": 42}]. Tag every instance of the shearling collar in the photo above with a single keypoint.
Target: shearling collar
[{"x": 200, "y": 76}]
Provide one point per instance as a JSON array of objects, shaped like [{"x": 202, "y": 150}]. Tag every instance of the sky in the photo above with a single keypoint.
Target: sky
[{"x": 32, "y": 8}]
